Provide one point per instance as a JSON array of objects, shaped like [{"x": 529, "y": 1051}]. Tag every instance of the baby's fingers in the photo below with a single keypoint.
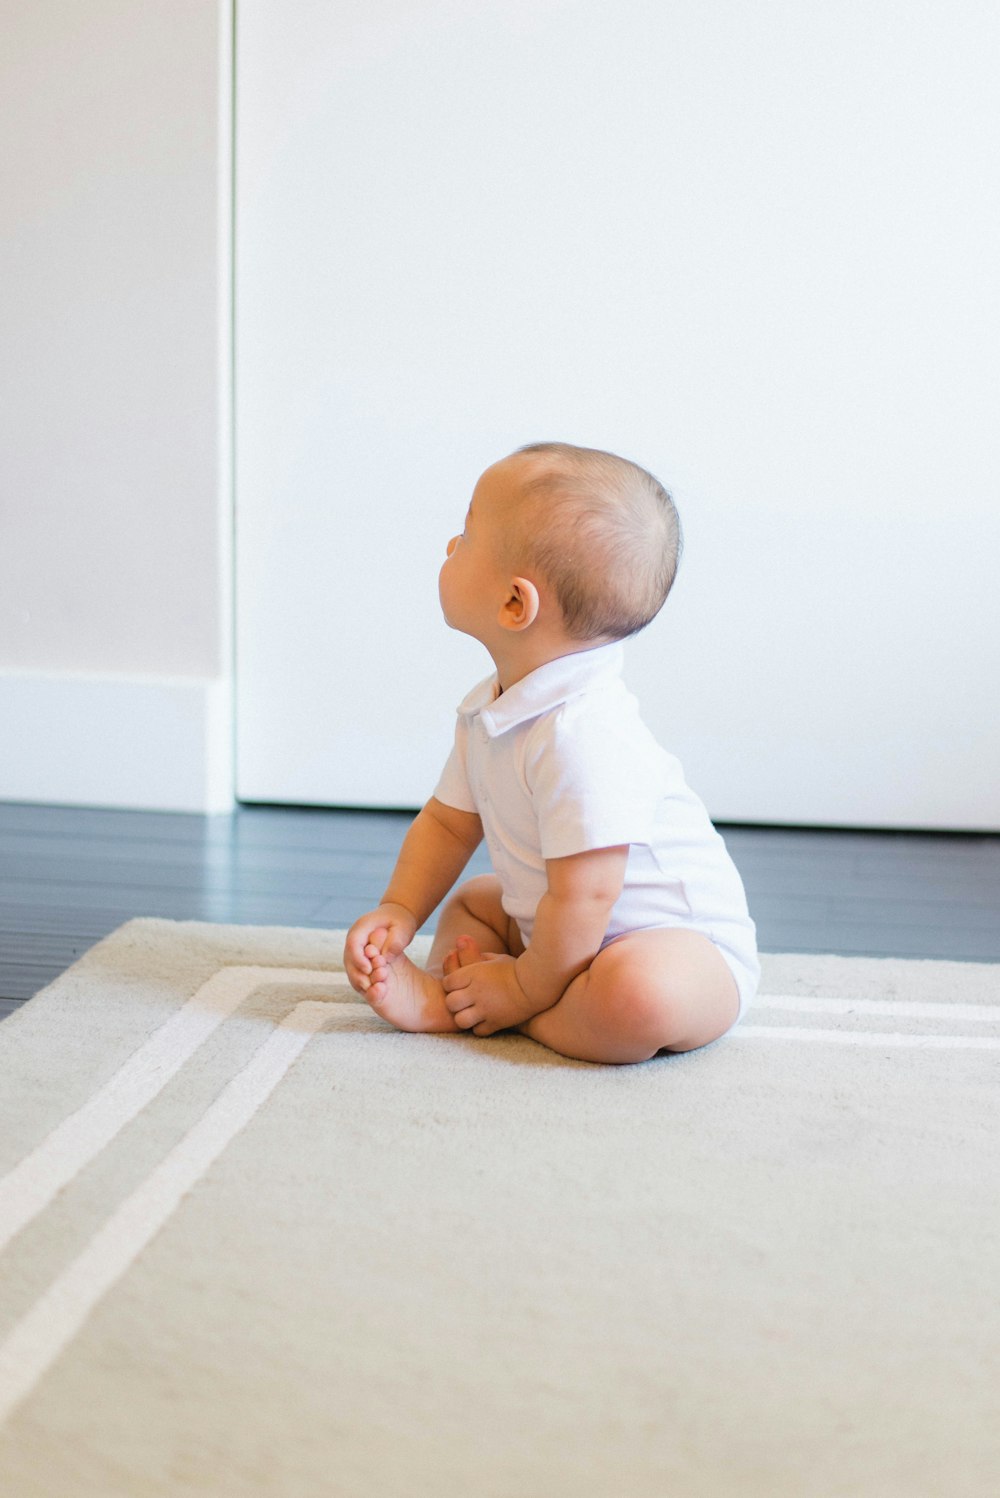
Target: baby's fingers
[
  {"x": 377, "y": 939},
  {"x": 358, "y": 937},
  {"x": 357, "y": 979},
  {"x": 457, "y": 1000},
  {"x": 356, "y": 965},
  {"x": 466, "y": 1018},
  {"x": 395, "y": 941}
]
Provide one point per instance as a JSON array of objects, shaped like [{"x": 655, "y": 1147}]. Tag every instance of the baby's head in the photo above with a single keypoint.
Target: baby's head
[{"x": 602, "y": 532}]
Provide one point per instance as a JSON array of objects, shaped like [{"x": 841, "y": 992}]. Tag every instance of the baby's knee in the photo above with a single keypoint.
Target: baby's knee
[
  {"x": 478, "y": 895},
  {"x": 645, "y": 1011},
  {"x": 673, "y": 986},
  {"x": 480, "y": 899}
]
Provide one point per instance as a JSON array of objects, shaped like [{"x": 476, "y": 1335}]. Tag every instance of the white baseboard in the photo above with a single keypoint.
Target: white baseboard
[{"x": 152, "y": 743}]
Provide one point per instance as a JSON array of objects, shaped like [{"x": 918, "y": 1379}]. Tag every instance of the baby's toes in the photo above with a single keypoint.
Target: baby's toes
[
  {"x": 451, "y": 963},
  {"x": 469, "y": 951}
]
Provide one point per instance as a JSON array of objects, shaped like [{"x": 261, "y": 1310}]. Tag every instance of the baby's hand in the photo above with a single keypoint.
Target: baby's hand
[
  {"x": 389, "y": 929},
  {"x": 483, "y": 993}
]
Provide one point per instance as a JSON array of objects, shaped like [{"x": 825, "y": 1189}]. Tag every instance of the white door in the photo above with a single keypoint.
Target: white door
[{"x": 754, "y": 248}]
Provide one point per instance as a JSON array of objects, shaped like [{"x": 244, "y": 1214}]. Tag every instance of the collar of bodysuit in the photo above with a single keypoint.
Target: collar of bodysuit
[{"x": 542, "y": 689}]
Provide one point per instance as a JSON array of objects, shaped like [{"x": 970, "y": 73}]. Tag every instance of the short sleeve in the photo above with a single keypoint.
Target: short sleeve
[
  {"x": 453, "y": 786},
  {"x": 594, "y": 783}
]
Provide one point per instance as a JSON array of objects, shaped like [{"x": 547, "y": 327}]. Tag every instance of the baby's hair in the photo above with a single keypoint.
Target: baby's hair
[{"x": 603, "y": 532}]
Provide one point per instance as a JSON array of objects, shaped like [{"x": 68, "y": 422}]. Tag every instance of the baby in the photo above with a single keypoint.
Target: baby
[{"x": 615, "y": 924}]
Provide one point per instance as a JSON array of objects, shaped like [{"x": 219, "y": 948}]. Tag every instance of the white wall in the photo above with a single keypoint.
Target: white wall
[
  {"x": 115, "y": 270},
  {"x": 752, "y": 246},
  {"x": 115, "y": 491}
]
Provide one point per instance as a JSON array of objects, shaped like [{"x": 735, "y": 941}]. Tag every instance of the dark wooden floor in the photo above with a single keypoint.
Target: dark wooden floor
[{"x": 70, "y": 875}]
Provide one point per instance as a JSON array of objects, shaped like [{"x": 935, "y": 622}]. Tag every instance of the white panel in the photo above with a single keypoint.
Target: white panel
[
  {"x": 752, "y": 247},
  {"x": 155, "y": 743},
  {"x": 115, "y": 292}
]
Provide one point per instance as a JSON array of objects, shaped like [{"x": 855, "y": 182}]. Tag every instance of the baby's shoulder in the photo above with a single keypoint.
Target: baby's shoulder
[
  {"x": 600, "y": 729},
  {"x": 610, "y": 709}
]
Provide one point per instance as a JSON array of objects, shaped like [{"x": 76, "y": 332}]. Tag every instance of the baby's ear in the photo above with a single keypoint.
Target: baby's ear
[{"x": 520, "y": 607}]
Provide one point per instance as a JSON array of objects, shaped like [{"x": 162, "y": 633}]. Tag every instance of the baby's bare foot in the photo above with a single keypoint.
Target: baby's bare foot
[
  {"x": 465, "y": 952},
  {"x": 405, "y": 995}
]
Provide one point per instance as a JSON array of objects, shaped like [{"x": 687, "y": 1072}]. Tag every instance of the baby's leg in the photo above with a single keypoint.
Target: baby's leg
[
  {"x": 412, "y": 998},
  {"x": 474, "y": 910},
  {"x": 647, "y": 991}
]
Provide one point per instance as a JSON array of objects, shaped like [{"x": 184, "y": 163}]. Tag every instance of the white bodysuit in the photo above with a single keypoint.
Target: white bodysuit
[{"x": 562, "y": 763}]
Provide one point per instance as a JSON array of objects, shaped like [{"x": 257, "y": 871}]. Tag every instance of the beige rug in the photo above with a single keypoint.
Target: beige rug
[{"x": 254, "y": 1241}]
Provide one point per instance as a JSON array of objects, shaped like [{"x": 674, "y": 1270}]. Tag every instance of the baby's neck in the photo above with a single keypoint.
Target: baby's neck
[{"x": 513, "y": 666}]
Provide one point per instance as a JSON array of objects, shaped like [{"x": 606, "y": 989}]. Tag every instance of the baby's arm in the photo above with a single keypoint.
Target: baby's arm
[
  {"x": 570, "y": 923},
  {"x": 436, "y": 849}
]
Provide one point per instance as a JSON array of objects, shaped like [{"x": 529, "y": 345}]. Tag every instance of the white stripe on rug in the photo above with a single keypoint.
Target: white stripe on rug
[
  {"x": 869, "y": 1037},
  {"x": 28, "y": 1188},
  {"x": 55, "y": 1319},
  {"x": 987, "y": 1014}
]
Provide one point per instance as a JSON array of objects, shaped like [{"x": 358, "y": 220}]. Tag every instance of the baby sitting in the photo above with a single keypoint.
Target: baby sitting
[{"x": 615, "y": 923}]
